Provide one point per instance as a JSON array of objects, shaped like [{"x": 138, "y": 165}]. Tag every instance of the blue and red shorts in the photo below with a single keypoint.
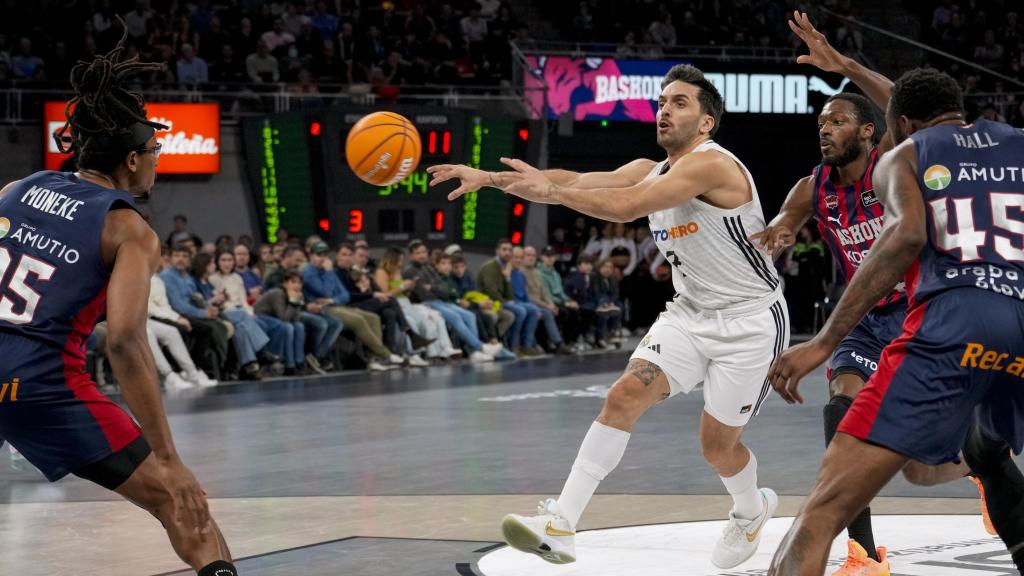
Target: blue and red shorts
[
  {"x": 859, "y": 352},
  {"x": 54, "y": 414},
  {"x": 961, "y": 350}
]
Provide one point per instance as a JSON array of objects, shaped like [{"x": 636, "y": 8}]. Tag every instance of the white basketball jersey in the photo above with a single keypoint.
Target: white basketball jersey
[{"x": 714, "y": 266}]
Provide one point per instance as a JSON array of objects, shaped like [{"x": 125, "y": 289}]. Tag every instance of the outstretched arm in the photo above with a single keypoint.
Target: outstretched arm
[
  {"x": 472, "y": 179},
  {"x": 796, "y": 211},
  {"x": 695, "y": 175},
  {"x": 890, "y": 257},
  {"x": 822, "y": 55}
]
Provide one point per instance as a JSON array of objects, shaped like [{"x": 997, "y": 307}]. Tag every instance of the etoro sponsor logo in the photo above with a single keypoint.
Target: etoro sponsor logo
[
  {"x": 681, "y": 231},
  {"x": 937, "y": 177},
  {"x": 940, "y": 545}
]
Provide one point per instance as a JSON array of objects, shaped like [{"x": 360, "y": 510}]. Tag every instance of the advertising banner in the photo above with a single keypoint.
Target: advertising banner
[
  {"x": 610, "y": 89},
  {"x": 190, "y": 146}
]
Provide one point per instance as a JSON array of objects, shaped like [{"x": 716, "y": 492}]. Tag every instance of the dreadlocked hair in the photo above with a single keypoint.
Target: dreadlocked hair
[{"x": 102, "y": 106}]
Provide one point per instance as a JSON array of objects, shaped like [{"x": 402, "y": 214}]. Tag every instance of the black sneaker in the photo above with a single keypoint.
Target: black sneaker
[
  {"x": 250, "y": 371},
  {"x": 418, "y": 341}
]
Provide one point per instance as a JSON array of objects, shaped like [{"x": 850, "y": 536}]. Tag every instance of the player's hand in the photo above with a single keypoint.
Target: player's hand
[
  {"x": 773, "y": 238},
  {"x": 794, "y": 364},
  {"x": 470, "y": 179},
  {"x": 531, "y": 184},
  {"x": 190, "y": 507},
  {"x": 822, "y": 55}
]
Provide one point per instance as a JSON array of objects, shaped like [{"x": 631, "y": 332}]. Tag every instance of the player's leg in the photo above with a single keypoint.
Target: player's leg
[
  {"x": 741, "y": 351},
  {"x": 852, "y": 473},
  {"x": 550, "y": 534},
  {"x": 666, "y": 350},
  {"x": 147, "y": 486},
  {"x": 990, "y": 459}
]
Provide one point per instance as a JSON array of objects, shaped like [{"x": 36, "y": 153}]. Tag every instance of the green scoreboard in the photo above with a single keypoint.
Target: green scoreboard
[{"x": 302, "y": 182}]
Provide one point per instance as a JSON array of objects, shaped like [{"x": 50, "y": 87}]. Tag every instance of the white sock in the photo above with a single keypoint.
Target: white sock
[
  {"x": 747, "y": 501},
  {"x": 600, "y": 453}
]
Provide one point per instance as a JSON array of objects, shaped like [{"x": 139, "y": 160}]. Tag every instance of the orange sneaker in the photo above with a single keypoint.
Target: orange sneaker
[
  {"x": 984, "y": 507},
  {"x": 858, "y": 563}
]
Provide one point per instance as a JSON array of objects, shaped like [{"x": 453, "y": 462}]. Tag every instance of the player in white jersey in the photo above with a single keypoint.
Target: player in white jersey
[{"x": 724, "y": 328}]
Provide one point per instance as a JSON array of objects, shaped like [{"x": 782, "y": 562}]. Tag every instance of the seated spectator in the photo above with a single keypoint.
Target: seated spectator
[
  {"x": 164, "y": 328},
  {"x": 522, "y": 298},
  {"x": 321, "y": 285},
  {"x": 323, "y": 329},
  {"x": 362, "y": 261},
  {"x": 227, "y": 280},
  {"x": 493, "y": 280},
  {"x": 609, "y": 307},
  {"x": 580, "y": 286},
  {"x": 181, "y": 233},
  {"x": 277, "y": 37},
  {"x": 209, "y": 336},
  {"x": 541, "y": 298},
  {"x": 250, "y": 274},
  {"x": 224, "y": 289},
  {"x": 424, "y": 320},
  {"x": 191, "y": 69},
  {"x": 397, "y": 332},
  {"x": 429, "y": 288},
  {"x": 570, "y": 316},
  {"x": 496, "y": 320},
  {"x": 488, "y": 333},
  {"x": 261, "y": 66},
  {"x": 284, "y": 306}
]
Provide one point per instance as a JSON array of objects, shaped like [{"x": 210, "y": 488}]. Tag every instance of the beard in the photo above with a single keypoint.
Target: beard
[
  {"x": 676, "y": 138},
  {"x": 844, "y": 156}
]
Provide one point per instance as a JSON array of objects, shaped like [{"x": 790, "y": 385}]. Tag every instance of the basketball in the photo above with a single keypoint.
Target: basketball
[{"x": 383, "y": 148}]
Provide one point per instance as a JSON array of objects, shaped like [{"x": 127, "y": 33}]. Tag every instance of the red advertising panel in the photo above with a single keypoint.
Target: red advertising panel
[{"x": 190, "y": 146}]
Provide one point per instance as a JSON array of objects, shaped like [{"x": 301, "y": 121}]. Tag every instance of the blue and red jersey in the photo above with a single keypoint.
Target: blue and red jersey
[
  {"x": 849, "y": 219},
  {"x": 52, "y": 277},
  {"x": 972, "y": 181}
]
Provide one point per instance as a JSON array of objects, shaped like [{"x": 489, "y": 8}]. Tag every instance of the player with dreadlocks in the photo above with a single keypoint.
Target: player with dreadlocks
[{"x": 73, "y": 248}]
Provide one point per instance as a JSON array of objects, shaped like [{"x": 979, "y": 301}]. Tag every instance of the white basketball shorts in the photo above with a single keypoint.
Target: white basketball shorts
[{"x": 730, "y": 355}]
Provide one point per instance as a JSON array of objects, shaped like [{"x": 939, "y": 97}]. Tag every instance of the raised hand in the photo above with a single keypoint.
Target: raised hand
[{"x": 822, "y": 55}]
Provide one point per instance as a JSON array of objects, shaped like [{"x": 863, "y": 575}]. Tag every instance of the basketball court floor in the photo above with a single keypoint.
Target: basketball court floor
[{"x": 409, "y": 473}]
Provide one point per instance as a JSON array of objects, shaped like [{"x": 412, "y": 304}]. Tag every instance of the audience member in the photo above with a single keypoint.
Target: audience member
[
  {"x": 540, "y": 297},
  {"x": 430, "y": 289},
  {"x": 164, "y": 327},
  {"x": 321, "y": 285},
  {"x": 494, "y": 280},
  {"x": 282, "y": 308},
  {"x": 424, "y": 320},
  {"x": 209, "y": 341}
]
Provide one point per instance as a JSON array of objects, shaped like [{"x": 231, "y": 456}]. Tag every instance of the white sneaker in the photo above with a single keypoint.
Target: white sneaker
[
  {"x": 377, "y": 366},
  {"x": 174, "y": 382},
  {"x": 492, "y": 349},
  {"x": 740, "y": 538},
  {"x": 396, "y": 360},
  {"x": 479, "y": 357},
  {"x": 417, "y": 361},
  {"x": 547, "y": 534},
  {"x": 451, "y": 353},
  {"x": 200, "y": 378}
]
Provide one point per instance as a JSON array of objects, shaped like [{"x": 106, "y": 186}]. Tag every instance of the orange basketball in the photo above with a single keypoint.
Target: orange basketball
[{"x": 383, "y": 148}]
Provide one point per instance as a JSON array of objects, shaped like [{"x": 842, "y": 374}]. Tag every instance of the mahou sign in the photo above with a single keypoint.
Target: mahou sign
[{"x": 190, "y": 146}]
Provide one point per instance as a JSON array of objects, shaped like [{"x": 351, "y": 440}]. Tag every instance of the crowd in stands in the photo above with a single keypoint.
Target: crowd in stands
[
  {"x": 988, "y": 33},
  {"x": 310, "y": 45},
  {"x": 235, "y": 309}
]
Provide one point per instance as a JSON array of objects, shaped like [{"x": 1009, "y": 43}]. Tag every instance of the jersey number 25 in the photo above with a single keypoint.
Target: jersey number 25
[{"x": 26, "y": 265}]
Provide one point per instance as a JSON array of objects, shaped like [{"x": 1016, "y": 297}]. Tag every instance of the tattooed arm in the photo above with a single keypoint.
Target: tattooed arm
[{"x": 902, "y": 239}]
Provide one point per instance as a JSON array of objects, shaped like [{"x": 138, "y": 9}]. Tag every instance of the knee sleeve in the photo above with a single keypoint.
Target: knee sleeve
[{"x": 834, "y": 412}]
